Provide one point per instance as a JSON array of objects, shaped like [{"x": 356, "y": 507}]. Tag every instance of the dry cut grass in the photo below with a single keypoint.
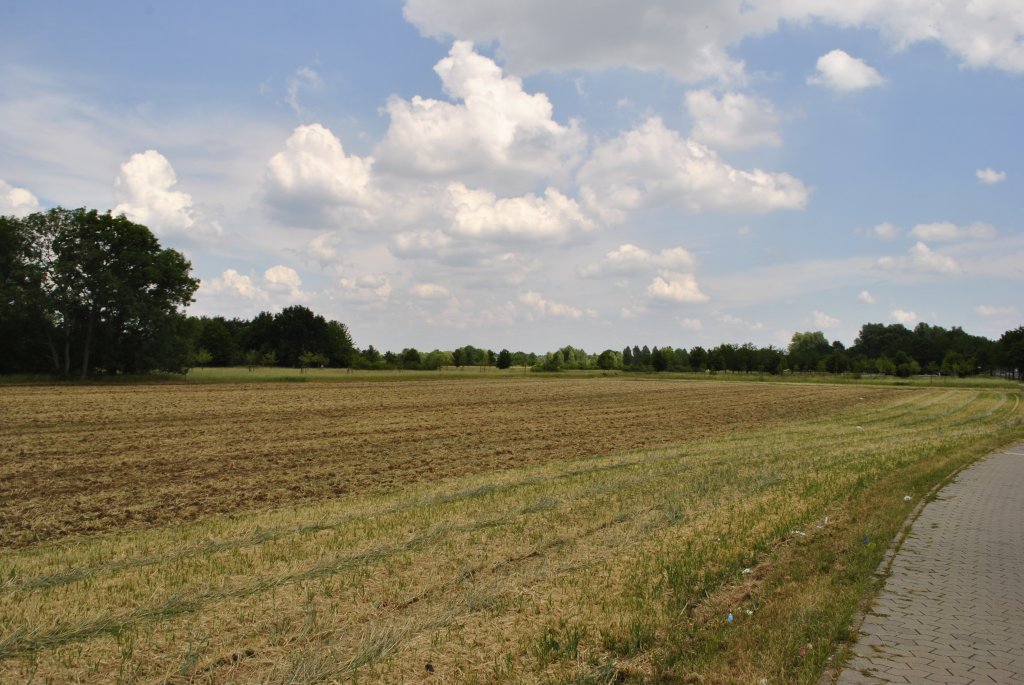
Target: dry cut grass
[{"x": 614, "y": 568}]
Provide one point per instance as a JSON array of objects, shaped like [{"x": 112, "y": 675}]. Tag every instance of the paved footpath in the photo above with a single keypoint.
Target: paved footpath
[{"x": 952, "y": 610}]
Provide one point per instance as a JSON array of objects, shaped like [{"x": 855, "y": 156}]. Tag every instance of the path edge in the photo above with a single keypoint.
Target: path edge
[{"x": 841, "y": 651}]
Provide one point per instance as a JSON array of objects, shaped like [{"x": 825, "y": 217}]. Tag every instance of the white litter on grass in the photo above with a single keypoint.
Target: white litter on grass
[
  {"x": 798, "y": 532},
  {"x": 823, "y": 523},
  {"x": 745, "y": 571},
  {"x": 906, "y": 498}
]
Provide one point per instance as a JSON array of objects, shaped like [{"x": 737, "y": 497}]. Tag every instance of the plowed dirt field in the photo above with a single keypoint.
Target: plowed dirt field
[{"x": 87, "y": 459}]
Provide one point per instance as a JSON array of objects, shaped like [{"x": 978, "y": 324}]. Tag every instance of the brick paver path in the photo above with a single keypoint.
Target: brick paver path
[{"x": 952, "y": 610}]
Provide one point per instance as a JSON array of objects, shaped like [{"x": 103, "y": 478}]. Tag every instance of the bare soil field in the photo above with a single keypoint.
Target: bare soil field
[{"x": 88, "y": 459}]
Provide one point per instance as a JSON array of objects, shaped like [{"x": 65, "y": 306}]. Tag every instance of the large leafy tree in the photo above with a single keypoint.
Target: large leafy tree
[
  {"x": 411, "y": 358},
  {"x": 298, "y": 329},
  {"x": 608, "y": 360},
  {"x": 97, "y": 291},
  {"x": 698, "y": 358},
  {"x": 659, "y": 360},
  {"x": 1010, "y": 349},
  {"x": 24, "y": 326},
  {"x": 217, "y": 339},
  {"x": 295, "y": 330},
  {"x": 340, "y": 348},
  {"x": 877, "y": 339},
  {"x": 807, "y": 349}
]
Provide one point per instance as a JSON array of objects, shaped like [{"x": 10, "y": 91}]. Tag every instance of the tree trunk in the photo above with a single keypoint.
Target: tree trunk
[
  {"x": 53, "y": 353},
  {"x": 85, "y": 351}
]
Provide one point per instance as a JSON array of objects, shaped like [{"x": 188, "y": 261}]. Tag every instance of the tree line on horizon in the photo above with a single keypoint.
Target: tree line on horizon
[
  {"x": 892, "y": 350},
  {"x": 85, "y": 293}
]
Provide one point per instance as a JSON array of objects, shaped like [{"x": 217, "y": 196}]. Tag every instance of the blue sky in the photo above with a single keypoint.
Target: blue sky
[{"x": 534, "y": 174}]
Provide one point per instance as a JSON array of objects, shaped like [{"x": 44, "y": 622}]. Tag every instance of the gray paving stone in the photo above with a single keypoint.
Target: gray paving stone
[{"x": 952, "y": 609}]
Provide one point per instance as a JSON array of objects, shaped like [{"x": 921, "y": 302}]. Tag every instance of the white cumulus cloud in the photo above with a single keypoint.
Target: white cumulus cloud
[
  {"x": 654, "y": 166},
  {"x": 303, "y": 79},
  {"x": 365, "y": 289},
  {"x": 841, "y": 72},
  {"x": 949, "y": 231},
  {"x": 16, "y": 201},
  {"x": 497, "y": 132},
  {"x": 285, "y": 280},
  {"x": 479, "y": 213},
  {"x": 630, "y": 260},
  {"x": 921, "y": 259},
  {"x": 313, "y": 182},
  {"x": 691, "y": 324},
  {"x": 279, "y": 286},
  {"x": 886, "y": 231},
  {"x": 823, "y": 320},
  {"x": 990, "y": 175},
  {"x": 735, "y": 121},
  {"x": 548, "y": 307},
  {"x": 866, "y": 297},
  {"x": 323, "y": 247},
  {"x": 692, "y": 40},
  {"x": 676, "y": 287},
  {"x": 429, "y": 291},
  {"x": 688, "y": 40},
  {"x": 420, "y": 244},
  {"x": 145, "y": 188},
  {"x": 990, "y": 311},
  {"x": 903, "y": 317},
  {"x": 234, "y": 284},
  {"x": 731, "y": 320},
  {"x": 982, "y": 34}
]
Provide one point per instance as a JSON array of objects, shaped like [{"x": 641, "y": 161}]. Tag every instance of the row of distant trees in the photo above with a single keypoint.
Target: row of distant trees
[
  {"x": 878, "y": 349},
  {"x": 83, "y": 292},
  {"x": 892, "y": 350},
  {"x": 460, "y": 357}
]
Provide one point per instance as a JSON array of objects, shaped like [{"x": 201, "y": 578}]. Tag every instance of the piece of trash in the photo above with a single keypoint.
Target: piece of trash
[
  {"x": 750, "y": 612},
  {"x": 430, "y": 667},
  {"x": 823, "y": 523},
  {"x": 860, "y": 428},
  {"x": 865, "y": 539},
  {"x": 798, "y": 532},
  {"x": 729, "y": 619},
  {"x": 803, "y": 651},
  {"x": 906, "y": 498},
  {"x": 762, "y": 681},
  {"x": 745, "y": 571}
]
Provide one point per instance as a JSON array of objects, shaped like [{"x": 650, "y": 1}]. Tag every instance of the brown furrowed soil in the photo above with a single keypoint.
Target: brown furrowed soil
[{"x": 88, "y": 459}]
